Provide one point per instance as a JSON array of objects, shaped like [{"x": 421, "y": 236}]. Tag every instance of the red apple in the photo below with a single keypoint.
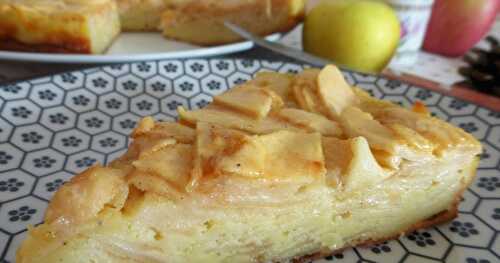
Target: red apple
[{"x": 457, "y": 25}]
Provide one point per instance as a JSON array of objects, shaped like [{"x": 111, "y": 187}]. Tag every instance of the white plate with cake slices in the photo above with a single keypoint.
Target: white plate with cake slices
[{"x": 130, "y": 47}]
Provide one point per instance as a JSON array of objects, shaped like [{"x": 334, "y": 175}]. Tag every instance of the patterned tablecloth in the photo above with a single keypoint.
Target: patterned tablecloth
[{"x": 56, "y": 126}]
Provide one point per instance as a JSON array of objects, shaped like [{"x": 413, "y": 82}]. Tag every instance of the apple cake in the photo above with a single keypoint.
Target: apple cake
[
  {"x": 281, "y": 167},
  {"x": 59, "y": 26},
  {"x": 202, "y": 22},
  {"x": 90, "y": 26}
]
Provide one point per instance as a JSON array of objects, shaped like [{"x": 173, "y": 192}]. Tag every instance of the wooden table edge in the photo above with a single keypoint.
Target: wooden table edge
[{"x": 458, "y": 91}]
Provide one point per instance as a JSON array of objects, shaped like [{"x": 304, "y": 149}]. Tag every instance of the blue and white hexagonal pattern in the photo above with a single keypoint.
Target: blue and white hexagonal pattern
[{"x": 54, "y": 127}]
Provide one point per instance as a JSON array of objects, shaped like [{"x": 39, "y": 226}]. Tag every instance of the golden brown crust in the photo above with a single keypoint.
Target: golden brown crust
[
  {"x": 55, "y": 43},
  {"x": 66, "y": 46},
  {"x": 68, "y": 27},
  {"x": 87, "y": 194}
]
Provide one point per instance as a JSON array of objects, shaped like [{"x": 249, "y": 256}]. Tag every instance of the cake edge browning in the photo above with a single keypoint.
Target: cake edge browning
[
  {"x": 73, "y": 46},
  {"x": 439, "y": 218},
  {"x": 77, "y": 29}
]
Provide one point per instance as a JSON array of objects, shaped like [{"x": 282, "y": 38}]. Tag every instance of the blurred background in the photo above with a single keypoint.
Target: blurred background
[
  {"x": 444, "y": 42},
  {"x": 448, "y": 45}
]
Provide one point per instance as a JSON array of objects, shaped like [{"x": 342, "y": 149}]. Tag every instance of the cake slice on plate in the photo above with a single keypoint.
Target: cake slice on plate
[
  {"x": 90, "y": 26},
  {"x": 202, "y": 22},
  {"x": 58, "y": 26},
  {"x": 281, "y": 167}
]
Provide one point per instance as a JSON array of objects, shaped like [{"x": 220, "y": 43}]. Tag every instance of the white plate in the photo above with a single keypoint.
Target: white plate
[{"x": 131, "y": 47}]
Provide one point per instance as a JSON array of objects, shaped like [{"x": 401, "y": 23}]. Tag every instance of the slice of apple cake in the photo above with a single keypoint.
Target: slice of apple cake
[
  {"x": 90, "y": 26},
  {"x": 281, "y": 167},
  {"x": 202, "y": 22},
  {"x": 59, "y": 26}
]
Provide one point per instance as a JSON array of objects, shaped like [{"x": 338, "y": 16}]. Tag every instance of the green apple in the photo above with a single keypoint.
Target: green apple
[{"x": 359, "y": 34}]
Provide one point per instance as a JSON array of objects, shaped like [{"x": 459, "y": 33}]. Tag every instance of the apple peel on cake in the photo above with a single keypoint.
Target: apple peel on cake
[{"x": 281, "y": 167}]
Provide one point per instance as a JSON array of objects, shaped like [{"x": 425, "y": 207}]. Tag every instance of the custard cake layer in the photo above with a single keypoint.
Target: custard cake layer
[
  {"x": 277, "y": 168},
  {"x": 201, "y": 22},
  {"x": 62, "y": 26},
  {"x": 144, "y": 15}
]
